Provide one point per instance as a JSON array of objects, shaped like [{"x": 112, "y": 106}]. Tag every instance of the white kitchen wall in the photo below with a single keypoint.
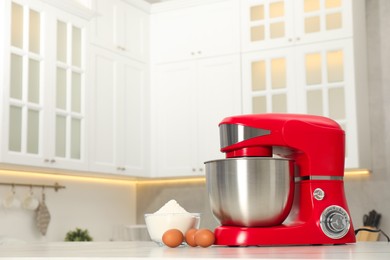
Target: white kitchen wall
[
  {"x": 373, "y": 193},
  {"x": 102, "y": 206}
]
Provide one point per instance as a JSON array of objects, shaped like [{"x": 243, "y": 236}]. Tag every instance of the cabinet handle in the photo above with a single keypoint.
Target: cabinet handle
[
  {"x": 52, "y": 161},
  {"x": 192, "y": 53},
  {"x": 298, "y": 39},
  {"x": 201, "y": 169},
  {"x": 193, "y": 169},
  {"x": 121, "y": 48},
  {"x": 46, "y": 160},
  {"x": 199, "y": 52},
  {"x": 289, "y": 40}
]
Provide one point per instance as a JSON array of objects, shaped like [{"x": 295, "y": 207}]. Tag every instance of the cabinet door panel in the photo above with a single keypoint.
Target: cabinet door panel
[
  {"x": 70, "y": 104},
  {"x": 326, "y": 87},
  {"x": 268, "y": 81},
  {"x": 103, "y": 25},
  {"x": 219, "y": 96},
  {"x": 217, "y": 29},
  {"x": 172, "y": 36},
  {"x": 24, "y": 85},
  {"x": 320, "y": 20},
  {"x": 103, "y": 144},
  {"x": 266, "y": 24},
  {"x": 271, "y": 24},
  {"x": 175, "y": 119},
  {"x": 201, "y": 31},
  {"x": 122, "y": 28},
  {"x": 135, "y": 32},
  {"x": 133, "y": 118}
]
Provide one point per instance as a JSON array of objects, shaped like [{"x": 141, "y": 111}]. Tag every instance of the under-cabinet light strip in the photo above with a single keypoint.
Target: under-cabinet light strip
[{"x": 194, "y": 180}]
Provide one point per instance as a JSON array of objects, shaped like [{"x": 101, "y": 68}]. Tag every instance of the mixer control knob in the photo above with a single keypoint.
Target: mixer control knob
[
  {"x": 335, "y": 222},
  {"x": 319, "y": 194}
]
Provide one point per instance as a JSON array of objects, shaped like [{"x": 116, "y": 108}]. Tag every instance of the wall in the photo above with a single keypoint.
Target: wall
[
  {"x": 101, "y": 206},
  {"x": 363, "y": 194},
  {"x": 373, "y": 193}
]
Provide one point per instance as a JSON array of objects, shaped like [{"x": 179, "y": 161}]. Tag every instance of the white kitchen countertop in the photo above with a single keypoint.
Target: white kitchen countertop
[{"x": 142, "y": 250}]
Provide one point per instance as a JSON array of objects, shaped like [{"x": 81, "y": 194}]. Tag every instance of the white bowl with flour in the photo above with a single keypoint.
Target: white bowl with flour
[{"x": 170, "y": 216}]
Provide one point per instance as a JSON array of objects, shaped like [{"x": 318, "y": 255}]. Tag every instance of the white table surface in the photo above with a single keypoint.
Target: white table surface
[{"x": 142, "y": 250}]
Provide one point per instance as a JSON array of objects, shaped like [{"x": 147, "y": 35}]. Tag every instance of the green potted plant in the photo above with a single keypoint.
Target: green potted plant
[{"x": 78, "y": 235}]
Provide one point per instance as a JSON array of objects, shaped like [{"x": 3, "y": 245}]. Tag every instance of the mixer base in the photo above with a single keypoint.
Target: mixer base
[{"x": 302, "y": 234}]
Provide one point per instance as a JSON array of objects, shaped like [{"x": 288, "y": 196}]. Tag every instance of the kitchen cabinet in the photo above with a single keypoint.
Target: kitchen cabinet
[
  {"x": 272, "y": 24},
  {"x": 325, "y": 78},
  {"x": 119, "y": 118},
  {"x": 122, "y": 26},
  {"x": 44, "y": 90},
  {"x": 189, "y": 99},
  {"x": 204, "y": 30}
]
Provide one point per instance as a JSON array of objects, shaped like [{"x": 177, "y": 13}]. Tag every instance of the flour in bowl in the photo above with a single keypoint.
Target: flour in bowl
[{"x": 171, "y": 207}]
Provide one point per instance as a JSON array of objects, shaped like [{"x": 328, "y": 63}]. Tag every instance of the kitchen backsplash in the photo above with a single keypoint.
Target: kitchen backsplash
[{"x": 101, "y": 206}]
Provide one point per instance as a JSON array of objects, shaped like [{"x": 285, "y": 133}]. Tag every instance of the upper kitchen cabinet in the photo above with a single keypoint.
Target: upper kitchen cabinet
[
  {"x": 327, "y": 77},
  {"x": 122, "y": 26},
  {"x": 43, "y": 106},
  {"x": 272, "y": 24},
  {"x": 189, "y": 99},
  {"x": 119, "y": 119},
  {"x": 190, "y": 30}
]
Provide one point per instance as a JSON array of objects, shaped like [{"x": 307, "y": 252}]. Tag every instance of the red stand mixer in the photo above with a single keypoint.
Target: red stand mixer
[{"x": 281, "y": 182}]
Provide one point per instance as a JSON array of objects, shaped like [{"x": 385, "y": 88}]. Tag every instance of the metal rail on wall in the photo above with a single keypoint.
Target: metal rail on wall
[{"x": 56, "y": 186}]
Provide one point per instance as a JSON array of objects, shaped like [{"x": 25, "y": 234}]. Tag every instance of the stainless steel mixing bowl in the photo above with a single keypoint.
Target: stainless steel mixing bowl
[{"x": 250, "y": 191}]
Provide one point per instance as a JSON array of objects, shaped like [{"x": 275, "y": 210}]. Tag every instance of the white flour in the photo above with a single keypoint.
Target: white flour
[{"x": 171, "y": 207}]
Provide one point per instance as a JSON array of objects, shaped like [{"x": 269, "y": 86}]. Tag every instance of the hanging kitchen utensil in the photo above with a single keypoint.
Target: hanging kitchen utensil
[{"x": 43, "y": 215}]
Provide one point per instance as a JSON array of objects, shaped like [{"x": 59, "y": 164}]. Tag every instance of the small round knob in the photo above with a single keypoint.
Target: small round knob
[
  {"x": 318, "y": 194},
  {"x": 335, "y": 222}
]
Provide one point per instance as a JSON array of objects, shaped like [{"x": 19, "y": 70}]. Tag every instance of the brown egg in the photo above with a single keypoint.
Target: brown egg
[
  {"x": 173, "y": 238},
  {"x": 190, "y": 237},
  {"x": 204, "y": 238}
]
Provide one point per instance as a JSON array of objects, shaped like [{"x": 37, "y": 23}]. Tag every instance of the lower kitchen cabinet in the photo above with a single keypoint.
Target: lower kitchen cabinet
[
  {"x": 189, "y": 99},
  {"x": 119, "y": 131}
]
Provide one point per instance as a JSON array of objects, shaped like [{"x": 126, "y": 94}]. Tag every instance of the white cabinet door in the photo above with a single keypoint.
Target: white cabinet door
[
  {"x": 118, "y": 124},
  {"x": 122, "y": 28},
  {"x": 191, "y": 98},
  {"x": 206, "y": 30},
  {"x": 269, "y": 81},
  {"x": 326, "y": 86},
  {"x": 174, "y": 119},
  {"x": 272, "y": 24},
  {"x": 44, "y": 98},
  {"x": 219, "y": 96},
  {"x": 133, "y": 119},
  {"x": 316, "y": 79}
]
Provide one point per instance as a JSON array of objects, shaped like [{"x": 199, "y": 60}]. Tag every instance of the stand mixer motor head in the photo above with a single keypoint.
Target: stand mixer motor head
[{"x": 315, "y": 143}]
